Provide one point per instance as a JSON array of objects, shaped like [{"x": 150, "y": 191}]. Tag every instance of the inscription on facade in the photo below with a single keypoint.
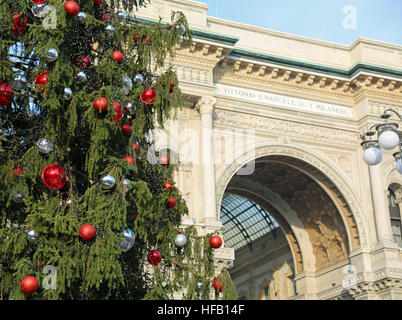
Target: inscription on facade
[{"x": 282, "y": 101}]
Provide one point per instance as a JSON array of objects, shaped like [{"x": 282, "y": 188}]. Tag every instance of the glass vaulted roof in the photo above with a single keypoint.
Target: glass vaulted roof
[{"x": 244, "y": 221}]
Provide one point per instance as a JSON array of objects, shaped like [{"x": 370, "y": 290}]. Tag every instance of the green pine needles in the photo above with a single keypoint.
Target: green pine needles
[{"x": 39, "y": 225}]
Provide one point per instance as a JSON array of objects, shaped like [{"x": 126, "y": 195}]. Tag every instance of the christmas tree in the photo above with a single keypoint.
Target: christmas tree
[{"x": 85, "y": 212}]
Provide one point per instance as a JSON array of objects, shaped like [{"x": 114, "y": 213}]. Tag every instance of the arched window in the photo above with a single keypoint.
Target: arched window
[{"x": 395, "y": 216}]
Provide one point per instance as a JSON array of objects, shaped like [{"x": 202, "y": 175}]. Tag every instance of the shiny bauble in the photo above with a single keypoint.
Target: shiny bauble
[
  {"x": 129, "y": 159},
  {"x": 67, "y": 94},
  {"x": 138, "y": 79},
  {"x": 154, "y": 257},
  {"x": 100, "y": 104},
  {"x": 171, "y": 203},
  {"x": 19, "y": 24},
  {"x": 128, "y": 239},
  {"x": 19, "y": 83},
  {"x": 399, "y": 166},
  {"x": 198, "y": 286},
  {"x": 388, "y": 140},
  {"x": 119, "y": 113},
  {"x": 40, "y": 82},
  {"x": 372, "y": 156},
  {"x": 81, "y": 17},
  {"x": 87, "y": 232},
  {"x": 18, "y": 197},
  {"x": 128, "y": 84},
  {"x": 180, "y": 241},
  {"x": 81, "y": 76},
  {"x": 171, "y": 86},
  {"x": 126, "y": 128},
  {"x": 169, "y": 186},
  {"x": 108, "y": 181},
  {"x": 69, "y": 202},
  {"x": 52, "y": 55},
  {"x": 54, "y": 177},
  {"x": 126, "y": 182},
  {"x": 148, "y": 96},
  {"x": 17, "y": 171},
  {"x": 38, "y": 10},
  {"x": 164, "y": 160},
  {"x": 118, "y": 56},
  {"x": 31, "y": 235},
  {"x": 45, "y": 145},
  {"x": 122, "y": 16},
  {"x": 181, "y": 28},
  {"x": 135, "y": 146},
  {"x": 217, "y": 283},
  {"x": 98, "y": 3},
  {"x": 129, "y": 107},
  {"x": 38, "y": 1},
  {"x": 109, "y": 29},
  {"x": 83, "y": 62},
  {"x": 29, "y": 285},
  {"x": 215, "y": 242},
  {"x": 72, "y": 8},
  {"x": 6, "y": 94}
]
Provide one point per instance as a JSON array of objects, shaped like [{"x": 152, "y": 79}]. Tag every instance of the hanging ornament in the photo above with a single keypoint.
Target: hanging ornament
[
  {"x": 6, "y": 94},
  {"x": 100, "y": 104},
  {"x": 19, "y": 24},
  {"x": 29, "y": 284},
  {"x": 81, "y": 17},
  {"x": 98, "y": 3},
  {"x": 126, "y": 182},
  {"x": 128, "y": 239},
  {"x": 108, "y": 181},
  {"x": 72, "y": 8},
  {"x": 52, "y": 55},
  {"x": 18, "y": 197},
  {"x": 180, "y": 241},
  {"x": 181, "y": 28},
  {"x": 171, "y": 203},
  {"x": 198, "y": 286},
  {"x": 54, "y": 177},
  {"x": 129, "y": 159},
  {"x": 38, "y": 1},
  {"x": 38, "y": 10},
  {"x": 81, "y": 76},
  {"x": 215, "y": 242},
  {"x": 45, "y": 145},
  {"x": 164, "y": 160},
  {"x": 87, "y": 232},
  {"x": 148, "y": 96},
  {"x": 138, "y": 79},
  {"x": 17, "y": 171},
  {"x": 126, "y": 128},
  {"x": 217, "y": 283},
  {"x": 135, "y": 37},
  {"x": 31, "y": 235},
  {"x": 19, "y": 83},
  {"x": 129, "y": 107},
  {"x": 134, "y": 216},
  {"x": 154, "y": 257},
  {"x": 67, "y": 94},
  {"x": 135, "y": 146},
  {"x": 119, "y": 113},
  {"x": 128, "y": 84},
  {"x": 109, "y": 29},
  {"x": 118, "y": 56},
  {"x": 169, "y": 186},
  {"x": 40, "y": 82},
  {"x": 171, "y": 86},
  {"x": 148, "y": 39},
  {"x": 83, "y": 62},
  {"x": 69, "y": 202}
]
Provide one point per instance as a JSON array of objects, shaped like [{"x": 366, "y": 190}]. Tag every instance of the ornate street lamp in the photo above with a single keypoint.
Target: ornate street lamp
[{"x": 388, "y": 139}]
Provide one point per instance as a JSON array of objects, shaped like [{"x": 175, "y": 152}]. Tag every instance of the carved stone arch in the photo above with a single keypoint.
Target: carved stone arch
[
  {"x": 338, "y": 182},
  {"x": 390, "y": 174}
]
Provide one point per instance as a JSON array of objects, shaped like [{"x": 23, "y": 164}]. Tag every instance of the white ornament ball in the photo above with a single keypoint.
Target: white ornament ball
[
  {"x": 180, "y": 240},
  {"x": 45, "y": 145},
  {"x": 128, "y": 239},
  {"x": 372, "y": 156}
]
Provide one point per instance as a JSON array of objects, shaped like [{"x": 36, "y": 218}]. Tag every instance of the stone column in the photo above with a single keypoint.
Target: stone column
[
  {"x": 206, "y": 107},
  {"x": 380, "y": 203}
]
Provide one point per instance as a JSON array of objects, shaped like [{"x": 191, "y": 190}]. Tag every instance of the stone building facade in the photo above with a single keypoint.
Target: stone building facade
[{"x": 278, "y": 119}]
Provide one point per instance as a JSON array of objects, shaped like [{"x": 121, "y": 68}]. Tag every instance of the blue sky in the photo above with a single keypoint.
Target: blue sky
[{"x": 318, "y": 19}]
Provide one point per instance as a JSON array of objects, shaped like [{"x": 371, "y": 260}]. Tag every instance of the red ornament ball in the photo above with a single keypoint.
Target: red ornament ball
[
  {"x": 164, "y": 160},
  {"x": 100, "y": 104},
  {"x": 148, "y": 39},
  {"x": 148, "y": 96},
  {"x": 97, "y": 3},
  {"x": 72, "y": 8},
  {"x": 134, "y": 216},
  {"x": 119, "y": 113},
  {"x": 17, "y": 171},
  {"x": 217, "y": 283},
  {"x": 129, "y": 159},
  {"x": 171, "y": 203},
  {"x": 6, "y": 94},
  {"x": 38, "y": 1},
  {"x": 126, "y": 128},
  {"x": 87, "y": 232},
  {"x": 215, "y": 242},
  {"x": 29, "y": 284},
  {"x": 118, "y": 56},
  {"x": 135, "y": 146},
  {"x": 19, "y": 24},
  {"x": 83, "y": 62},
  {"x": 171, "y": 86},
  {"x": 154, "y": 257},
  {"x": 169, "y": 186},
  {"x": 40, "y": 82},
  {"x": 135, "y": 37},
  {"x": 54, "y": 177}
]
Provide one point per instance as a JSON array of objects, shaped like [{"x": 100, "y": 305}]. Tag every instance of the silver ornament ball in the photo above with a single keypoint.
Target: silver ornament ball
[
  {"x": 52, "y": 55},
  {"x": 38, "y": 10},
  {"x": 109, "y": 29},
  {"x": 68, "y": 94},
  {"x": 128, "y": 84},
  {"x": 138, "y": 79},
  {"x": 82, "y": 16},
  {"x": 122, "y": 16},
  {"x": 81, "y": 76},
  {"x": 128, "y": 239},
  {"x": 180, "y": 240},
  {"x": 45, "y": 145},
  {"x": 198, "y": 286},
  {"x": 19, "y": 83},
  {"x": 31, "y": 235},
  {"x": 108, "y": 181},
  {"x": 18, "y": 197}
]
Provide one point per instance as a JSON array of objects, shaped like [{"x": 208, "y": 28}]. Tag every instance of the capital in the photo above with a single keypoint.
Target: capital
[{"x": 206, "y": 104}]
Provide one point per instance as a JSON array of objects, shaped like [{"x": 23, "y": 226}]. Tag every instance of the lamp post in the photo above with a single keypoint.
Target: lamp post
[{"x": 388, "y": 139}]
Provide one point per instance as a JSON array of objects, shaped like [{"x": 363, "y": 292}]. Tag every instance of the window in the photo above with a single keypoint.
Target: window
[
  {"x": 266, "y": 294},
  {"x": 395, "y": 217}
]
